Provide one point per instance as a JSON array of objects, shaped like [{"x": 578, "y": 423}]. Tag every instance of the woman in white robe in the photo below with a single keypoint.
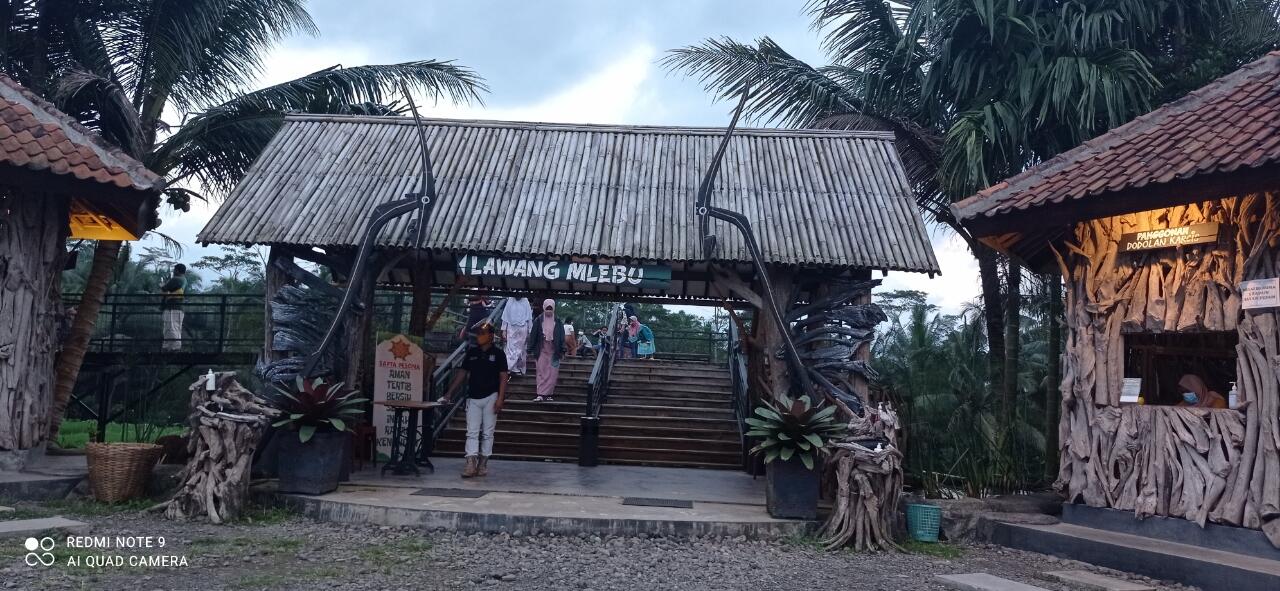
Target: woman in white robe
[{"x": 517, "y": 318}]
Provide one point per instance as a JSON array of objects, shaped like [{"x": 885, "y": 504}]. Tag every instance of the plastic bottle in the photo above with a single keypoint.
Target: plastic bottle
[
  {"x": 1233, "y": 398},
  {"x": 208, "y": 381}
]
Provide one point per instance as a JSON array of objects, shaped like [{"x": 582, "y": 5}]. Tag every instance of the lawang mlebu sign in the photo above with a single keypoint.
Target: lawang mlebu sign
[
  {"x": 643, "y": 276},
  {"x": 1169, "y": 237}
]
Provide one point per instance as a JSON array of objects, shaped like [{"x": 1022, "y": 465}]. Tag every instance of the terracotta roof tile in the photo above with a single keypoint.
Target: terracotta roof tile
[
  {"x": 1232, "y": 122},
  {"x": 35, "y": 135}
]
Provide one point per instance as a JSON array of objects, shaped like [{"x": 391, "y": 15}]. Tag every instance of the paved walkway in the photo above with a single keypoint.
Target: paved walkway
[{"x": 686, "y": 484}]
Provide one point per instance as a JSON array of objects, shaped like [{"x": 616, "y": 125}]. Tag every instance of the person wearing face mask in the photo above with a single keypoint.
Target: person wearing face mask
[
  {"x": 548, "y": 349},
  {"x": 484, "y": 369},
  {"x": 1196, "y": 393}
]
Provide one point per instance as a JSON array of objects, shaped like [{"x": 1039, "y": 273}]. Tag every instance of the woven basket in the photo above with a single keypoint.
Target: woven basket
[{"x": 119, "y": 471}]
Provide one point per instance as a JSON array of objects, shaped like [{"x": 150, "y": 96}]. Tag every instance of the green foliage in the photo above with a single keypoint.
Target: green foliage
[
  {"x": 238, "y": 270},
  {"x": 313, "y": 404},
  {"x": 932, "y": 367},
  {"x": 74, "y": 434},
  {"x": 794, "y": 428},
  {"x": 936, "y": 550}
]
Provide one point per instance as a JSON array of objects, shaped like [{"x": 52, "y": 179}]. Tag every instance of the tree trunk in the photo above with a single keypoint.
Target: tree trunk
[
  {"x": 1012, "y": 345},
  {"x": 993, "y": 312},
  {"x": 1052, "y": 397},
  {"x": 77, "y": 342},
  {"x": 33, "y": 231}
]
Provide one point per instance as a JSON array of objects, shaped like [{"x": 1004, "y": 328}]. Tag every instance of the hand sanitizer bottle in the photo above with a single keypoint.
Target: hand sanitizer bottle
[
  {"x": 1233, "y": 398},
  {"x": 208, "y": 381}
]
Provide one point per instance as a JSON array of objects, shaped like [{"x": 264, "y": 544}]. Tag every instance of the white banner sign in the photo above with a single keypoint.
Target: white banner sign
[
  {"x": 1260, "y": 293},
  {"x": 397, "y": 375}
]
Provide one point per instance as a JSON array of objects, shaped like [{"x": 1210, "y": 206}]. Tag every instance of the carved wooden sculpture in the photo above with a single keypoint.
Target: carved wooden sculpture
[
  {"x": 820, "y": 343},
  {"x": 226, "y": 425}
]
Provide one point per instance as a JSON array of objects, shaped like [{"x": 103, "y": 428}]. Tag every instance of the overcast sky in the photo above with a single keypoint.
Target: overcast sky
[{"x": 575, "y": 61}]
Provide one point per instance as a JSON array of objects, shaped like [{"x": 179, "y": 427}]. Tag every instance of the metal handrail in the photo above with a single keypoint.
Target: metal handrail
[
  {"x": 597, "y": 391},
  {"x": 440, "y": 379},
  {"x": 741, "y": 392}
]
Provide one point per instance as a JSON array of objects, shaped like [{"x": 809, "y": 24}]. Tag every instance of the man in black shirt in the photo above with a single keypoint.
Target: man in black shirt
[{"x": 485, "y": 371}]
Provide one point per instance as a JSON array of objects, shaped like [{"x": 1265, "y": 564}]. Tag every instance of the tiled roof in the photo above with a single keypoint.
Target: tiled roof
[
  {"x": 36, "y": 136},
  {"x": 1233, "y": 123}
]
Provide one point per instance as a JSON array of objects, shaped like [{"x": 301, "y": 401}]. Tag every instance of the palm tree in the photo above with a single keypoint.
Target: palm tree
[
  {"x": 121, "y": 66},
  {"x": 977, "y": 91}
]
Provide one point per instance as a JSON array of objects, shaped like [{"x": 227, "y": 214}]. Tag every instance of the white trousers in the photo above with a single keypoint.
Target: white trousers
[
  {"x": 172, "y": 320},
  {"x": 481, "y": 418}
]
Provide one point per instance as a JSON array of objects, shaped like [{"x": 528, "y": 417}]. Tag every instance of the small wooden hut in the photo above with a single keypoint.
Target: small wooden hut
[
  {"x": 1166, "y": 232},
  {"x": 57, "y": 180}
]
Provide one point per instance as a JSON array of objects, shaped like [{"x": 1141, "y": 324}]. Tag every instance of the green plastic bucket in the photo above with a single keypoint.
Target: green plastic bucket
[{"x": 923, "y": 521}]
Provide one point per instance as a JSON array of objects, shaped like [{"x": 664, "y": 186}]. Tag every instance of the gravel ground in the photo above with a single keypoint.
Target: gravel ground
[{"x": 275, "y": 550}]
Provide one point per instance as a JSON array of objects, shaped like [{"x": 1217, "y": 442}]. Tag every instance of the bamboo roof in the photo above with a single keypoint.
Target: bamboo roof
[{"x": 814, "y": 197}]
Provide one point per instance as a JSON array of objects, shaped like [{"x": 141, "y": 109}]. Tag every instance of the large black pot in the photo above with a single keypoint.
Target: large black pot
[
  {"x": 311, "y": 468},
  {"x": 791, "y": 490}
]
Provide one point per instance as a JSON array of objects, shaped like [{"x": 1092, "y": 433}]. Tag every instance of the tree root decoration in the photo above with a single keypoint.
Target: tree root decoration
[
  {"x": 226, "y": 426},
  {"x": 867, "y": 485}
]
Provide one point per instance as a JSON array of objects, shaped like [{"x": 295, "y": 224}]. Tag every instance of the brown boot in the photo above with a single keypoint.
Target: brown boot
[
  {"x": 469, "y": 469},
  {"x": 483, "y": 468}
]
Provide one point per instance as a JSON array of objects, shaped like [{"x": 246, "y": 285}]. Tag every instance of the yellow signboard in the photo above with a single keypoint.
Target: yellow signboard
[{"x": 89, "y": 224}]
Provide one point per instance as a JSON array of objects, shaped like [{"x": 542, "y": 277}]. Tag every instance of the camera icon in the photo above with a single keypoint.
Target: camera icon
[{"x": 38, "y": 551}]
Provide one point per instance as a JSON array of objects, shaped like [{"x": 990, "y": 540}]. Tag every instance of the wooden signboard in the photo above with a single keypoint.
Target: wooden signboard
[
  {"x": 398, "y": 370},
  {"x": 643, "y": 276},
  {"x": 1169, "y": 237}
]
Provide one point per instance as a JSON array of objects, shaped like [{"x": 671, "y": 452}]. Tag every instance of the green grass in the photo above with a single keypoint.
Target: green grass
[
  {"x": 85, "y": 507},
  {"x": 258, "y": 514},
  {"x": 934, "y": 549},
  {"x": 805, "y": 541},
  {"x": 272, "y": 580},
  {"x": 75, "y": 434}
]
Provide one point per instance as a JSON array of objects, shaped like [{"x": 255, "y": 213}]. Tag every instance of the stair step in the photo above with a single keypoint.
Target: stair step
[
  {"x": 663, "y": 456},
  {"x": 984, "y": 582},
  {"x": 608, "y": 421},
  {"x": 1183, "y": 563},
  {"x": 1083, "y": 579},
  {"x": 611, "y": 408}
]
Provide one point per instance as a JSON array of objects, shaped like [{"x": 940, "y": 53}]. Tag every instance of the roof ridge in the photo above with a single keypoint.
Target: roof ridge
[{"x": 597, "y": 127}]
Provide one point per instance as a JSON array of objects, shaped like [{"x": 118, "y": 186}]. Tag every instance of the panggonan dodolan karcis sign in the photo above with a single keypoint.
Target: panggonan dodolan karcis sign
[{"x": 642, "y": 276}]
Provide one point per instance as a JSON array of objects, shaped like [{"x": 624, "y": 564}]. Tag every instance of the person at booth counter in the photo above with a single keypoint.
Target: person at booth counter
[
  {"x": 485, "y": 371},
  {"x": 1197, "y": 393}
]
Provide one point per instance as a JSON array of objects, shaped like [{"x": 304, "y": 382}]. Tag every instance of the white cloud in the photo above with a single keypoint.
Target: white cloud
[
  {"x": 956, "y": 286},
  {"x": 616, "y": 93}
]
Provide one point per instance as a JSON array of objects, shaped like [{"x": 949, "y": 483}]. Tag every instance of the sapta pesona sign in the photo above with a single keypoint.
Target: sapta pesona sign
[
  {"x": 643, "y": 276},
  {"x": 1169, "y": 237}
]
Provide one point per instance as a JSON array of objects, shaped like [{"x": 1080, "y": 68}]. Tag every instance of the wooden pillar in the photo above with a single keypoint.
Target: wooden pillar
[
  {"x": 275, "y": 279},
  {"x": 33, "y": 231},
  {"x": 421, "y": 310}
]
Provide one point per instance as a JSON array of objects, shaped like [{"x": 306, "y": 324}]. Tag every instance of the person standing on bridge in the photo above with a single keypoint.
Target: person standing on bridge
[
  {"x": 516, "y": 318},
  {"x": 171, "y": 308},
  {"x": 548, "y": 348}
]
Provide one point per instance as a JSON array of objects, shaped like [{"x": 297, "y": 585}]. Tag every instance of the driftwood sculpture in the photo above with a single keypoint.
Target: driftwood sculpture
[
  {"x": 226, "y": 425},
  {"x": 865, "y": 483},
  {"x": 1219, "y": 466},
  {"x": 821, "y": 344}
]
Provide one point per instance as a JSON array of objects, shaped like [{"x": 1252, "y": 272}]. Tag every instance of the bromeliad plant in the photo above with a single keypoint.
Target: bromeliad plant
[
  {"x": 314, "y": 404},
  {"x": 794, "y": 427}
]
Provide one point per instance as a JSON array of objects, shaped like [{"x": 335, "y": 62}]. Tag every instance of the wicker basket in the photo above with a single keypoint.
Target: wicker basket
[{"x": 119, "y": 471}]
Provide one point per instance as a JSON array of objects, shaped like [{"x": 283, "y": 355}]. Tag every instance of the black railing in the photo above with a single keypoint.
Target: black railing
[
  {"x": 741, "y": 394},
  {"x": 212, "y": 323},
  {"x": 597, "y": 391}
]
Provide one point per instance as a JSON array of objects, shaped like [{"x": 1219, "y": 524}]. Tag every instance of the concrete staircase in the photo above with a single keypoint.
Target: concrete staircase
[
  {"x": 1213, "y": 557},
  {"x": 669, "y": 413},
  {"x": 660, "y": 413}
]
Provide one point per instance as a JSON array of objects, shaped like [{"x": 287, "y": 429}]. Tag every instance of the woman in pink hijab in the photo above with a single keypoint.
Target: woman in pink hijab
[{"x": 548, "y": 348}]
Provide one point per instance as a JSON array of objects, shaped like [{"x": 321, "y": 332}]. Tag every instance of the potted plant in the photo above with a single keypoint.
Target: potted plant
[
  {"x": 315, "y": 413},
  {"x": 795, "y": 435}
]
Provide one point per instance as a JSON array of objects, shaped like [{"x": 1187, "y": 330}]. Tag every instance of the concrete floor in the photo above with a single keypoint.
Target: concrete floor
[{"x": 553, "y": 478}]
